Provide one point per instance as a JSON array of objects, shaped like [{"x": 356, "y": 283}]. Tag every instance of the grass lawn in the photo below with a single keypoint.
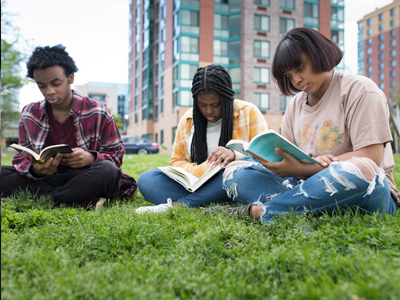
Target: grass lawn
[{"x": 66, "y": 253}]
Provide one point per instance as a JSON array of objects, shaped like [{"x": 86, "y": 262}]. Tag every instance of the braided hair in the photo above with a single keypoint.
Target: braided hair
[{"x": 211, "y": 79}]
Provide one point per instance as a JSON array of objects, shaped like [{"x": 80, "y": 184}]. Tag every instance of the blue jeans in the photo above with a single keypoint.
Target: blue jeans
[
  {"x": 156, "y": 187},
  {"x": 327, "y": 191}
]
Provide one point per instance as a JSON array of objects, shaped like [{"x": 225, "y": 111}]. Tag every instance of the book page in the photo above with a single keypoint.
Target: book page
[
  {"x": 24, "y": 151},
  {"x": 180, "y": 174}
]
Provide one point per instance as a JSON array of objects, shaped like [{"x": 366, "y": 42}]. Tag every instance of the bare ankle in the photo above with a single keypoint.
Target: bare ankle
[{"x": 256, "y": 211}]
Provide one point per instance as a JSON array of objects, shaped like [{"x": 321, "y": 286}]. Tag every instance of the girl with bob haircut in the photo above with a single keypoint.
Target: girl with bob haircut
[
  {"x": 341, "y": 120},
  {"x": 202, "y": 133}
]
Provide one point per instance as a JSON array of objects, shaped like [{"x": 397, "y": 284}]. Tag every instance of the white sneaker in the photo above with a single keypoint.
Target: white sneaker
[
  {"x": 100, "y": 203},
  {"x": 155, "y": 209}
]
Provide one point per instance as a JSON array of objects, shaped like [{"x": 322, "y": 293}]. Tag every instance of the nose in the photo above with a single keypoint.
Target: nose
[
  {"x": 296, "y": 79},
  {"x": 209, "y": 110},
  {"x": 50, "y": 91}
]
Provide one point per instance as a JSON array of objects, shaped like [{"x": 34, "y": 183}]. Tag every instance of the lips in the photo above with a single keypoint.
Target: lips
[{"x": 304, "y": 87}]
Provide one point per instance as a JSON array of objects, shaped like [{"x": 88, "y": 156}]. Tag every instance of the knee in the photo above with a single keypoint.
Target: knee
[
  {"x": 365, "y": 167},
  {"x": 147, "y": 179},
  {"x": 106, "y": 168},
  {"x": 233, "y": 166}
]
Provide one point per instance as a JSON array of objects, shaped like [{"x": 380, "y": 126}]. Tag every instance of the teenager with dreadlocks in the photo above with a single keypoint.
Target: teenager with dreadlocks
[{"x": 202, "y": 133}]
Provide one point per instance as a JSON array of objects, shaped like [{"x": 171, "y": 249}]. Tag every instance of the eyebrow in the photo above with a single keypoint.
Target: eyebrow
[{"x": 55, "y": 79}]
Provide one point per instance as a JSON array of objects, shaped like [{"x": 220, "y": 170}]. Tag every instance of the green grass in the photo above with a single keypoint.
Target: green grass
[{"x": 66, "y": 253}]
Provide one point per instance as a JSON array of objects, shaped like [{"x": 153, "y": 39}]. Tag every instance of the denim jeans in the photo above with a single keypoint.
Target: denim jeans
[
  {"x": 335, "y": 187},
  {"x": 156, "y": 187}
]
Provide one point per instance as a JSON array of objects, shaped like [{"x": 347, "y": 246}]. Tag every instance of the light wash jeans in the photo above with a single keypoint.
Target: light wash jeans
[
  {"x": 156, "y": 187},
  {"x": 340, "y": 186}
]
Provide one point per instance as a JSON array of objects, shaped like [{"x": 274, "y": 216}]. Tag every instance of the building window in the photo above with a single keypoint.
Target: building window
[
  {"x": 369, "y": 41},
  {"x": 311, "y": 15},
  {"x": 285, "y": 25},
  {"x": 261, "y": 23},
  {"x": 369, "y": 60},
  {"x": 381, "y": 85},
  {"x": 392, "y": 84},
  {"x": 189, "y": 48},
  {"x": 186, "y": 75},
  {"x": 380, "y": 27},
  {"x": 381, "y": 56},
  {"x": 393, "y": 73},
  {"x": 381, "y": 36},
  {"x": 261, "y": 75},
  {"x": 369, "y": 22},
  {"x": 369, "y": 70},
  {"x": 261, "y": 100},
  {"x": 262, "y": 2},
  {"x": 186, "y": 98},
  {"x": 236, "y": 78},
  {"x": 381, "y": 47},
  {"x": 392, "y": 12},
  {"x": 381, "y": 66},
  {"x": 261, "y": 49},
  {"x": 392, "y": 32},
  {"x": 369, "y": 50},
  {"x": 393, "y": 53},
  {"x": 380, "y": 17},
  {"x": 381, "y": 76},
  {"x": 190, "y": 17},
  {"x": 221, "y": 48},
  {"x": 393, "y": 63},
  {"x": 161, "y": 137},
  {"x": 175, "y": 99},
  {"x": 286, "y": 4},
  {"x": 284, "y": 101},
  {"x": 221, "y": 22},
  {"x": 392, "y": 23},
  {"x": 338, "y": 37},
  {"x": 173, "y": 134},
  {"x": 337, "y": 17},
  {"x": 369, "y": 31},
  {"x": 392, "y": 43}
]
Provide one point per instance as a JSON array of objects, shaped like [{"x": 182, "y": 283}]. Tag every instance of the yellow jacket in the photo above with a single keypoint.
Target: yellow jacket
[{"x": 247, "y": 123}]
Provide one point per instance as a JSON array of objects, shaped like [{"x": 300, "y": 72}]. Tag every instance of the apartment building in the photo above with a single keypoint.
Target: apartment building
[
  {"x": 379, "y": 48},
  {"x": 170, "y": 39}
]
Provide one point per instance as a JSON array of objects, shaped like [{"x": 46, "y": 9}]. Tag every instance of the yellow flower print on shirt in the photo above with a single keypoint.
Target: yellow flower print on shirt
[{"x": 326, "y": 138}]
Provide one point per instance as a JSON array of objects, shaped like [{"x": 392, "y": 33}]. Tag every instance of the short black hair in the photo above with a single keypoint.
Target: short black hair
[
  {"x": 44, "y": 57},
  {"x": 211, "y": 79},
  {"x": 323, "y": 52}
]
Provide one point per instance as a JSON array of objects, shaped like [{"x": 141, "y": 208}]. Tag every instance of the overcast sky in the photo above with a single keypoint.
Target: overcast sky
[{"x": 96, "y": 34}]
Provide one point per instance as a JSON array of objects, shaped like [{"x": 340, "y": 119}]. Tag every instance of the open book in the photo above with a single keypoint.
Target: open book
[
  {"x": 262, "y": 148},
  {"x": 45, "y": 154},
  {"x": 188, "y": 180}
]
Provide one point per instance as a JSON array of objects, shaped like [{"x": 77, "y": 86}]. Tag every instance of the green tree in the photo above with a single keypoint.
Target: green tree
[{"x": 11, "y": 79}]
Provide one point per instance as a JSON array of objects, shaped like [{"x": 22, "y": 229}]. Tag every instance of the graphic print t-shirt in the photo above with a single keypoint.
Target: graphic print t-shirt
[{"x": 352, "y": 114}]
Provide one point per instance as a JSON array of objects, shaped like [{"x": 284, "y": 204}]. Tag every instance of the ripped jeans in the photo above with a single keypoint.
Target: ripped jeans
[{"x": 340, "y": 186}]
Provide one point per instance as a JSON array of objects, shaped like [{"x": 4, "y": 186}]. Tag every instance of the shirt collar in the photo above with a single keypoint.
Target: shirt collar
[{"x": 76, "y": 105}]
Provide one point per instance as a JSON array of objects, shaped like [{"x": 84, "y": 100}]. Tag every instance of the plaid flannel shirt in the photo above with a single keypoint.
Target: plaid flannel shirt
[
  {"x": 247, "y": 123},
  {"x": 96, "y": 132}
]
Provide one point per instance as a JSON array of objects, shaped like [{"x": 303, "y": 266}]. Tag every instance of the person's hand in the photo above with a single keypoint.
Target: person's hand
[
  {"x": 79, "y": 158},
  {"x": 46, "y": 169},
  {"x": 221, "y": 155},
  {"x": 326, "y": 160},
  {"x": 291, "y": 166}
]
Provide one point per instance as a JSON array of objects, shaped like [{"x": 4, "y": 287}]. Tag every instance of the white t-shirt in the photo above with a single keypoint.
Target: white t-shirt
[
  {"x": 213, "y": 134},
  {"x": 352, "y": 114}
]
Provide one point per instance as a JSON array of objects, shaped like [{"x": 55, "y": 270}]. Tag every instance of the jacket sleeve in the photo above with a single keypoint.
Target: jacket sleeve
[
  {"x": 21, "y": 163},
  {"x": 110, "y": 146},
  {"x": 180, "y": 156}
]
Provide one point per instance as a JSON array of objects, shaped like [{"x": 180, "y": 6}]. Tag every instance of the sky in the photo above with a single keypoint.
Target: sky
[{"x": 96, "y": 35}]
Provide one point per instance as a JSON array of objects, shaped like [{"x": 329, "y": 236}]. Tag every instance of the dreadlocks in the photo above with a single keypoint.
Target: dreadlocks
[{"x": 211, "y": 79}]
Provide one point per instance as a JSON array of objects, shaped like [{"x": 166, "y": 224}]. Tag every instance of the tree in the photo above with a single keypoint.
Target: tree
[{"x": 11, "y": 79}]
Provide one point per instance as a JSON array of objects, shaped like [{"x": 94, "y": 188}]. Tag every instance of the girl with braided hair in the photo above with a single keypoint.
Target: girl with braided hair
[{"x": 202, "y": 133}]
